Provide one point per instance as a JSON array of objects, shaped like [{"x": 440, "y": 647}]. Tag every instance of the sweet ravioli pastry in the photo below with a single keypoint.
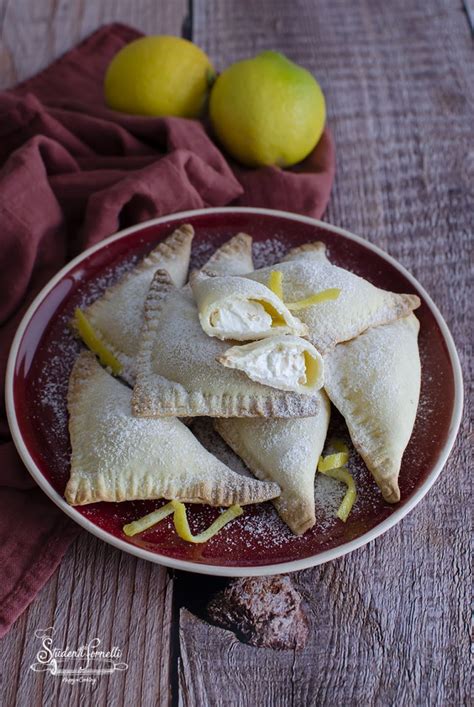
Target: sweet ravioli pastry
[
  {"x": 186, "y": 364},
  {"x": 374, "y": 381},
  {"x": 240, "y": 309},
  {"x": 233, "y": 258},
  {"x": 308, "y": 251},
  {"x": 178, "y": 374},
  {"x": 286, "y": 452},
  {"x": 117, "y": 316},
  {"x": 116, "y": 457},
  {"x": 359, "y": 305},
  {"x": 283, "y": 362}
]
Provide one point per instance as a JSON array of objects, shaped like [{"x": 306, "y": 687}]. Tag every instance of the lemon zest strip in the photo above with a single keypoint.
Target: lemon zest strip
[
  {"x": 182, "y": 526},
  {"x": 350, "y": 496},
  {"x": 138, "y": 526},
  {"x": 333, "y": 461},
  {"x": 274, "y": 283},
  {"x": 181, "y": 522},
  {"x": 323, "y": 296},
  {"x": 93, "y": 342},
  {"x": 333, "y": 466}
]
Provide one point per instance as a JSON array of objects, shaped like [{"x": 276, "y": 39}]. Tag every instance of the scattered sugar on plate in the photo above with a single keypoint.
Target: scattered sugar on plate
[
  {"x": 268, "y": 252},
  {"x": 262, "y": 528}
]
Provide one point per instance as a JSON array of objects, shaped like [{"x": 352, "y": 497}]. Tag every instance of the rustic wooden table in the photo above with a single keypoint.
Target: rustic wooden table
[{"x": 389, "y": 623}]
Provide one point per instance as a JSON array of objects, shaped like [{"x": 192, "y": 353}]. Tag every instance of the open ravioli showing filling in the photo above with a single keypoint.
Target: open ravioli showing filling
[
  {"x": 236, "y": 318},
  {"x": 239, "y": 309},
  {"x": 336, "y": 305},
  {"x": 283, "y": 362}
]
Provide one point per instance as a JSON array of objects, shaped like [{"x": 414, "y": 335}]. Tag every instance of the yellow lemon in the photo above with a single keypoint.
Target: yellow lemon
[
  {"x": 159, "y": 76},
  {"x": 267, "y": 110}
]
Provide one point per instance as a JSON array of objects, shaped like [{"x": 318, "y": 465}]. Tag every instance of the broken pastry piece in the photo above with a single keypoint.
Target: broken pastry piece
[
  {"x": 358, "y": 306},
  {"x": 233, "y": 257},
  {"x": 283, "y": 362},
  {"x": 374, "y": 381},
  {"x": 116, "y": 317},
  {"x": 239, "y": 309},
  {"x": 116, "y": 457},
  {"x": 178, "y": 374},
  {"x": 286, "y": 452}
]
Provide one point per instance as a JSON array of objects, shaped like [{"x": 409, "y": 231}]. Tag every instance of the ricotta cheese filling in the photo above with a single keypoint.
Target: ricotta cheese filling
[
  {"x": 282, "y": 366},
  {"x": 282, "y": 361},
  {"x": 241, "y": 316}
]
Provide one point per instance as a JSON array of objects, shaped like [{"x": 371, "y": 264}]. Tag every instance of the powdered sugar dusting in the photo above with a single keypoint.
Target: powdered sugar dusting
[
  {"x": 96, "y": 287},
  {"x": 267, "y": 528},
  {"x": 259, "y": 533},
  {"x": 201, "y": 253},
  {"x": 182, "y": 360}
]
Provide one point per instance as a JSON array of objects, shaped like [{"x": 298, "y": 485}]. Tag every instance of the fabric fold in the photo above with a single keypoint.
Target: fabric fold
[{"x": 73, "y": 172}]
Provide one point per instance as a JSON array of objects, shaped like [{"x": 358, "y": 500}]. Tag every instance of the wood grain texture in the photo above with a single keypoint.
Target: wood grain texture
[
  {"x": 97, "y": 591},
  {"x": 33, "y": 32},
  {"x": 390, "y": 621}
]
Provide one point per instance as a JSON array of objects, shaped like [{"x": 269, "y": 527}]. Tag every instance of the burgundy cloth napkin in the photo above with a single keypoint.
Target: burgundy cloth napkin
[{"x": 71, "y": 173}]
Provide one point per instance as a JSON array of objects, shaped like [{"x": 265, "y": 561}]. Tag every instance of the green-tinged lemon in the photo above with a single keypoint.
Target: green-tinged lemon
[
  {"x": 159, "y": 76},
  {"x": 267, "y": 111}
]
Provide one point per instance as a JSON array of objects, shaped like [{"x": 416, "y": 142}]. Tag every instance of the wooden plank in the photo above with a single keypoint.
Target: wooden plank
[
  {"x": 34, "y": 32},
  {"x": 97, "y": 592},
  {"x": 102, "y": 593},
  {"x": 390, "y": 621}
]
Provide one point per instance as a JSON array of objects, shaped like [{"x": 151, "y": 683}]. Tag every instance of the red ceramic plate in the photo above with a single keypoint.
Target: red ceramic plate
[{"x": 257, "y": 543}]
